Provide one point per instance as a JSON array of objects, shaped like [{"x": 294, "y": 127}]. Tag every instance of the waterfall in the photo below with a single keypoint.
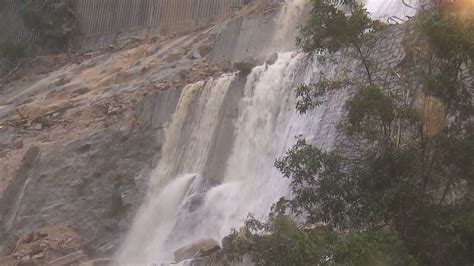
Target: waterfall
[
  {"x": 183, "y": 205},
  {"x": 193, "y": 128},
  {"x": 188, "y": 140},
  {"x": 392, "y": 10},
  {"x": 265, "y": 129},
  {"x": 288, "y": 19}
]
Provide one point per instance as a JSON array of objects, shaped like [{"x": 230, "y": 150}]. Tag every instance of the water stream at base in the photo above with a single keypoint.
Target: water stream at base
[{"x": 182, "y": 205}]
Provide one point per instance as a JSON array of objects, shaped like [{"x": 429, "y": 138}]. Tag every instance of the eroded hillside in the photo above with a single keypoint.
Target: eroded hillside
[{"x": 80, "y": 134}]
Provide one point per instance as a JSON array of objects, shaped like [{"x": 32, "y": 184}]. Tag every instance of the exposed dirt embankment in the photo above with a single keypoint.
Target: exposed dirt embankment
[{"x": 94, "y": 154}]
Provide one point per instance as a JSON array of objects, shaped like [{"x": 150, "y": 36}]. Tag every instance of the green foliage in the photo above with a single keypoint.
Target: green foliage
[
  {"x": 371, "y": 112},
  {"x": 397, "y": 183},
  {"x": 312, "y": 172},
  {"x": 443, "y": 235},
  {"x": 13, "y": 50},
  {"x": 53, "y": 19},
  {"x": 311, "y": 95},
  {"x": 372, "y": 248},
  {"x": 404, "y": 195},
  {"x": 279, "y": 241},
  {"x": 330, "y": 29},
  {"x": 449, "y": 35},
  {"x": 449, "y": 42}
]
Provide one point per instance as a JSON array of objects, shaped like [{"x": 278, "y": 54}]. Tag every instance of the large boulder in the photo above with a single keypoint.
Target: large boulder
[
  {"x": 100, "y": 262},
  {"x": 246, "y": 66},
  {"x": 197, "y": 249}
]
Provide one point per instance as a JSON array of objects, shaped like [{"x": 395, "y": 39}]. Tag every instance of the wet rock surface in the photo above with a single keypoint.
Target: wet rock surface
[
  {"x": 198, "y": 249},
  {"x": 95, "y": 182},
  {"x": 78, "y": 143}
]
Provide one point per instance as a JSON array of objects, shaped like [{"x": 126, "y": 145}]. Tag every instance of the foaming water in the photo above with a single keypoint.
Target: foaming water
[
  {"x": 182, "y": 205},
  {"x": 150, "y": 230},
  {"x": 185, "y": 210},
  {"x": 187, "y": 143},
  {"x": 193, "y": 128},
  {"x": 288, "y": 19}
]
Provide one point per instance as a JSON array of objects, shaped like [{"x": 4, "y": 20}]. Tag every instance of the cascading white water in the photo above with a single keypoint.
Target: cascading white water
[
  {"x": 288, "y": 19},
  {"x": 188, "y": 140},
  {"x": 392, "y": 10},
  {"x": 265, "y": 129},
  {"x": 181, "y": 206},
  {"x": 190, "y": 135}
]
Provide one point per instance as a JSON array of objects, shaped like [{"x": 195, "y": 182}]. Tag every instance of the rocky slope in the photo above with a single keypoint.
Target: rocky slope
[{"x": 79, "y": 135}]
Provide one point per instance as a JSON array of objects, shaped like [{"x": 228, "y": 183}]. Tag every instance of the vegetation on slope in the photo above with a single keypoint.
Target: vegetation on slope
[
  {"x": 54, "y": 20},
  {"x": 405, "y": 195},
  {"x": 12, "y": 51}
]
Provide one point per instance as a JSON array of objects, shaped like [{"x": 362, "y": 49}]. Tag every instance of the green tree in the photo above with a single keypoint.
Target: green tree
[
  {"x": 330, "y": 29},
  {"x": 13, "y": 50},
  {"x": 280, "y": 241},
  {"x": 404, "y": 196},
  {"x": 54, "y": 20}
]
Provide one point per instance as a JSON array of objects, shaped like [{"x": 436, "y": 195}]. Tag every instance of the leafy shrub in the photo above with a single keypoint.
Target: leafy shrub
[
  {"x": 279, "y": 241},
  {"x": 404, "y": 195},
  {"x": 54, "y": 20},
  {"x": 13, "y": 50}
]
